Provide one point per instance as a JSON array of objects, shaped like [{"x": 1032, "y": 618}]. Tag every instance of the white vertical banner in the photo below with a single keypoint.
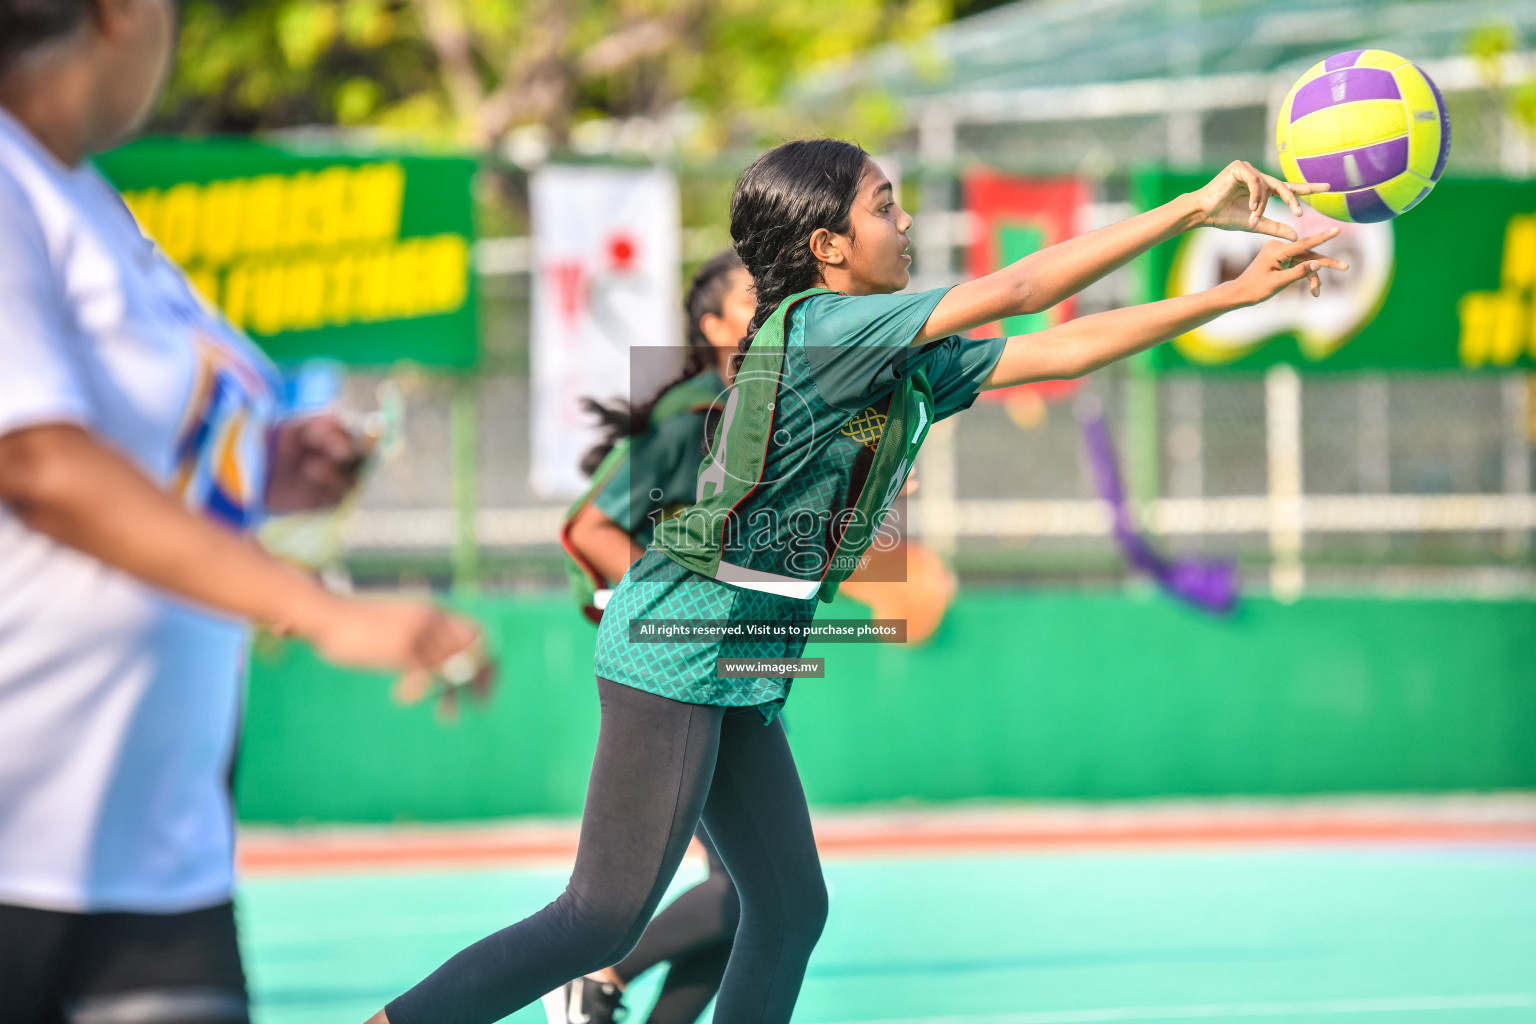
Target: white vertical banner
[{"x": 608, "y": 250}]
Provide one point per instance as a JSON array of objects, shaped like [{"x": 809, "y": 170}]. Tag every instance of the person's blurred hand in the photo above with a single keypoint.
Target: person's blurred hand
[
  {"x": 316, "y": 462},
  {"x": 436, "y": 653}
]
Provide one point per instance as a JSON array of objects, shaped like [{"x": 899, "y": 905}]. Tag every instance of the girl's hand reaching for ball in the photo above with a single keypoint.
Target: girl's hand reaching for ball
[
  {"x": 1236, "y": 198},
  {"x": 1281, "y": 264}
]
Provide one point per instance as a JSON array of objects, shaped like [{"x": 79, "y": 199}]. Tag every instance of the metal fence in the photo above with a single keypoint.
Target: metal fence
[{"x": 1381, "y": 481}]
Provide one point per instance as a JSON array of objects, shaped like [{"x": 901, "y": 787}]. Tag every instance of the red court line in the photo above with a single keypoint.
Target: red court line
[{"x": 279, "y": 853}]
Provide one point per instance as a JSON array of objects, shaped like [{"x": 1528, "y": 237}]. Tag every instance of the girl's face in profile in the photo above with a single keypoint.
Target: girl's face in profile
[
  {"x": 726, "y": 328},
  {"x": 875, "y": 249}
]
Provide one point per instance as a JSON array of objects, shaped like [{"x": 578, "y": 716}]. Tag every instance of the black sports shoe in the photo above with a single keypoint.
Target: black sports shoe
[{"x": 585, "y": 1001}]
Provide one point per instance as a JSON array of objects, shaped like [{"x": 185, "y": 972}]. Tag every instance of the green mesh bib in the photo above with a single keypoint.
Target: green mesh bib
[{"x": 743, "y": 528}]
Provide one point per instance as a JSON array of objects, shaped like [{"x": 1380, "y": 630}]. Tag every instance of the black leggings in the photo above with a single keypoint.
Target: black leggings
[
  {"x": 694, "y": 936},
  {"x": 660, "y": 765},
  {"x": 57, "y": 966}
]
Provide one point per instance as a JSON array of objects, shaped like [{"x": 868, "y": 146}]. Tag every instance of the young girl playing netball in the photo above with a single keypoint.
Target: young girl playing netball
[
  {"x": 645, "y": 468},
  {"x": 841, "y": 380}
]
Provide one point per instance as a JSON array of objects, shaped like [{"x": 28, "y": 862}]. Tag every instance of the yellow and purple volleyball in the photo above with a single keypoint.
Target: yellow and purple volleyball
[{"x": 1372, "y": 127}]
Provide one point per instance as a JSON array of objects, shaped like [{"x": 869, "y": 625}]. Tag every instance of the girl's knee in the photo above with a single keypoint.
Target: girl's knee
[
  {"x": 723, "y": 892},
  {"x": 811, "y": 917},
  {"x": 798, "y": 913},
  {"x": 605, "y": 930}
]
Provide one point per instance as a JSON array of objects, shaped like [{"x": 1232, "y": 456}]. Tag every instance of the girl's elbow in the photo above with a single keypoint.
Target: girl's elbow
[
  {"x": 35, "y": 471},
  {"x": 586, "y": 530},
  {"x": 1063, "y": 362},
  {"x": 1027, "y": 298},
  {"x": 1078, "y": 368}
]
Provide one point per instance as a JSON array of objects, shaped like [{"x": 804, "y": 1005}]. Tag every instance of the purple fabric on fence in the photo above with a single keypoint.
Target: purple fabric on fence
[
  {"x": 1211, "y": 585},
  {"x": 1356, "y": 168},
  {"x": 1345, "y": 86}
]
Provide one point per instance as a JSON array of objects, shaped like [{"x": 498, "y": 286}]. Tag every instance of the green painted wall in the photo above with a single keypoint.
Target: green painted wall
[{"x": 1043, "y": 695}]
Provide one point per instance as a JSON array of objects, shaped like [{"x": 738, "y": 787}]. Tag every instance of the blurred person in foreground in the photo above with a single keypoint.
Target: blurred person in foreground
[
  {"x": 644, "y": 469},
  {"x": 140, "y": 440}
]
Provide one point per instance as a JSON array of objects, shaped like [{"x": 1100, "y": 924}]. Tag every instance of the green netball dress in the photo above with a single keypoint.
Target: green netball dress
[
  {"x": 660, "y": 472},
  {"x": 644, "y": 477},
  {"x": 816, "y": 438}
]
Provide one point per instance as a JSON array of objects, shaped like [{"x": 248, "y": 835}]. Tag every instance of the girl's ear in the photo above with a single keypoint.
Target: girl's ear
[
  {"x": 826, "y": 247},
  {"x": 715, "y": 329}
]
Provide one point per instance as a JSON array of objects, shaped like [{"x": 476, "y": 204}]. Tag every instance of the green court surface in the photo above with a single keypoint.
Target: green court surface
[{"x": 1367, "y": 932}]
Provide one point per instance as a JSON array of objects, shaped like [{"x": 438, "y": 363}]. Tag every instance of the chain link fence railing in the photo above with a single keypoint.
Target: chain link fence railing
[
  {"x": 1420, "y": 480},
  {"x": 1377, "y": 481}
]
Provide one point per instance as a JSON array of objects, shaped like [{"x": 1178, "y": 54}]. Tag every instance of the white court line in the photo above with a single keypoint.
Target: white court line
[{"x": 1218, "y": 1010}]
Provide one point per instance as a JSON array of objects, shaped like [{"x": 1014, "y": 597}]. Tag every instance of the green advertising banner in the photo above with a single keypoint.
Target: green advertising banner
[
  {"x": 360, "y": 257},
  {"x": 1449, "y": 285}
]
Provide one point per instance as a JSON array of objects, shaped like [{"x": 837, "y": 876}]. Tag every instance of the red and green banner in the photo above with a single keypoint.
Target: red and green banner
[
  {"x": 1015, "y": 217},
  {"x": 1450, "y": 285},
  {"x": 356, "y": 256}
]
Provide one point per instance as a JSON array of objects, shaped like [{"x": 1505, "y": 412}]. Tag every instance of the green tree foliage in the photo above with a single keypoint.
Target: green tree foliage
[
  {"x": 1491, "y": 44},
  {"x": 473, "y": 71}
]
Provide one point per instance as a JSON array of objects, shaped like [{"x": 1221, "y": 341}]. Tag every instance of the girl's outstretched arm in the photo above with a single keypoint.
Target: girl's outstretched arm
[
  {"x": 71, "y": 486},
  {"x": 1234, "y": 200},
  {"x": 1081, "y": 346}
]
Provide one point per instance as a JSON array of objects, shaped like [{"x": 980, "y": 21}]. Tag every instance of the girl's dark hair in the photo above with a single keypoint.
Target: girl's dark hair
[
  {"x": 26, "y": 23},
  {"x": 785, "y": 195},
  {"x": 706, "y": 295}
]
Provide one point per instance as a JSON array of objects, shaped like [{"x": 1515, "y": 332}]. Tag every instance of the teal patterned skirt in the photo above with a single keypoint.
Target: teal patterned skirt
[{"x": 658, "y": 588}]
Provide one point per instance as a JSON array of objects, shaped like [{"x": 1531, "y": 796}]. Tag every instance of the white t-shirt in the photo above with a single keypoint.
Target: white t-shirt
[{"x": 118, "y": 704}]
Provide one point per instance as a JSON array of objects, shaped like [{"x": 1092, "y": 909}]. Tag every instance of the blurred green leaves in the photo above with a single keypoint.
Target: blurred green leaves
[
  {"x": 474, "y": 71},
  {"x": 1490, "y": 45},
  {"x": 245, "y": 65},
  {"x": 305, "y": 30}
]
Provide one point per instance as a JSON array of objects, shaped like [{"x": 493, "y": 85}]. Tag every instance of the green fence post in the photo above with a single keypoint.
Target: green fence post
[
  {"x": 1141, "y": 427},
  {"x": 463, "y": 412},
  {"x": 1141, "y": 415}
]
